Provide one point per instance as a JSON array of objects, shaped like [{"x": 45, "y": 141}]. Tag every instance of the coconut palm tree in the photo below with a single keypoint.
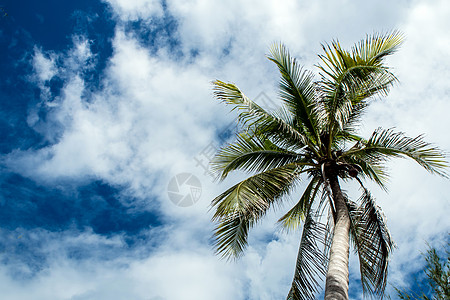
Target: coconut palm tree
[{"x": 314, "y": 135}]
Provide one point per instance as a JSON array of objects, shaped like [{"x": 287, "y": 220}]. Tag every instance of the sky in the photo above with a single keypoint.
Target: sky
[{"x": 107, "y": 121}]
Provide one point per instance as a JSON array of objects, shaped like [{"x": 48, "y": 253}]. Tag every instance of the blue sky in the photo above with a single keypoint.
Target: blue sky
[{"x": 103, "y": 102}]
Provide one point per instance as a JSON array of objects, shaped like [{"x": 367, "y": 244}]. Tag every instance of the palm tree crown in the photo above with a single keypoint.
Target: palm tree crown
[{"x": 315, "y": 135}]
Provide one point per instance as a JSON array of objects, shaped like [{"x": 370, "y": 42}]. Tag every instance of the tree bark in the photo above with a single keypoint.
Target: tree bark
[{"x": 336, "y": 285}]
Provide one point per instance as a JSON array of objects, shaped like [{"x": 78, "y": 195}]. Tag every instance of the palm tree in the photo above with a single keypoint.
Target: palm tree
[{"x": 314, "y": 135}]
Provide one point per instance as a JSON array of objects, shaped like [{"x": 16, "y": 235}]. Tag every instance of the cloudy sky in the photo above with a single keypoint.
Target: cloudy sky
[{"x": 103, "y": 103}]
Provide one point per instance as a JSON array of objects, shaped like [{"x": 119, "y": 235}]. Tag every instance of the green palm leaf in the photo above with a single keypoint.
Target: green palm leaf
[
  {"x": 370, "y": 167},
  {"x": 294, "y": 217},
  {"x": 255, "y": 118},
  {"x": 239, "y": 207},
  {"x": 350, "y": 78},
  {"x": 311, "y": 262},
  {"x": 231, "y": 234},
  {"x": 359, "y": 90},
  {"x": 250, "y": 153},
  {"x": 373, "y": 243},
  {"x": 385, "y": 144},
  {"x": 374, "y": 48},
  {"x": 297, "y": 90}
]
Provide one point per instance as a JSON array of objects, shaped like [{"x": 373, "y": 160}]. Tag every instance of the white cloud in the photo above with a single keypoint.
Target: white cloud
[
  {"x": 146, "y": 119},
  {"x": 44, "y": 66},
  {"x": 137, "y": 9},
  {"x": 111, "y": 271}
]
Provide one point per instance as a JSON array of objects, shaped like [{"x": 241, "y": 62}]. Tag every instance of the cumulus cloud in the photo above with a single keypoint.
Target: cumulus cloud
[
  {"x": 84, "y": 265},
  {"x": 143, "y": 122}
]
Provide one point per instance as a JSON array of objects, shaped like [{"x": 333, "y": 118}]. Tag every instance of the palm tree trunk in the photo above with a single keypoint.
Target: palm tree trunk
[{"x": 336, "y": 286}]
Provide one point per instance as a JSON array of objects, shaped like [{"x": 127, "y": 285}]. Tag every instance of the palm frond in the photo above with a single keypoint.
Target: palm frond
[
  {"x": 369, "y": 167},
  {"x": 239, "y": 207},
  {"x": 365, "y": 56},
  {"x": 385, "y": 144},
  {"x": 254, "y": 118},
  {"x": 294, "y": 217},
  {"x": 329, "y": 232},
  {"x": 373, "y": 243},
  {"x": 378, "y": 81},
  {"x": 280, "y": 138},
  {"x": 297, "y": 90},
  {"x": 311, "y": 262},
  {"x": 326, "y": 199},
  {"x": 231, "y": 232},
  {"x": 350, "y": 78},
  {"x": 252, "y": 154},
  {"x": 374, "y": 48},
  {"x": 345, "y": 97}
]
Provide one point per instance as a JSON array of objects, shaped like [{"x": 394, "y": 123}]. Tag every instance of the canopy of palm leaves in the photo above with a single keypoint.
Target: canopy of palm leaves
[{"x": 314, "y": 134}]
